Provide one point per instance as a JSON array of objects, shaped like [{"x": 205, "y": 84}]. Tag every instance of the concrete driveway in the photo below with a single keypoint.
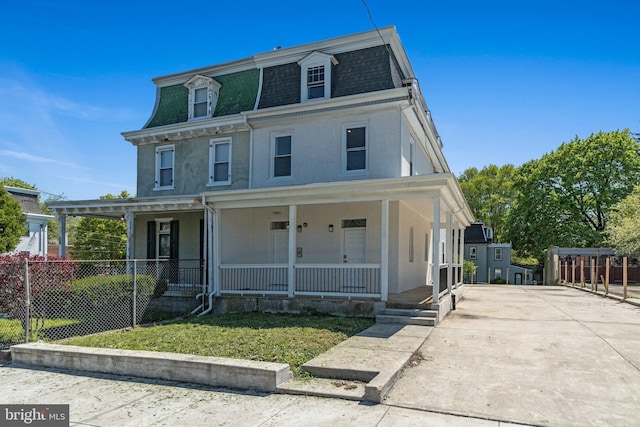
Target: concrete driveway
[{"x": 536, "y": 355}]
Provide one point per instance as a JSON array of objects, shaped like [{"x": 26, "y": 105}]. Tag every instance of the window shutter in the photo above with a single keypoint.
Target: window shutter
[
  {"x": 173, "y": 240},
  {"x": 151, "y": 239}
]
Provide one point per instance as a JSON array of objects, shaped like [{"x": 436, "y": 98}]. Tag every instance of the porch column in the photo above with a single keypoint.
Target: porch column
[
  {"x": 62, "y": 233},
  {"x": 384, "y": 251},
  {"x": 435, "y": 271},
  {"x": 130, "y": 218},
  {"x": 291, "y": 274},
  {"x": 449, "y": 251},
  {"x": 461, "y": 256},
  {"x": 214, "y": 251},
  {"x": 456, "y": 255}
]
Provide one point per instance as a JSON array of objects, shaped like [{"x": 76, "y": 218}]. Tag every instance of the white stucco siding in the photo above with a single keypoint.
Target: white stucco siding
[
  {"x": 317, "y": 153},
  {"x": 411, "y": 274},
  {"x": 246, "y": 236},
  {"x": 422, "y": 164}
]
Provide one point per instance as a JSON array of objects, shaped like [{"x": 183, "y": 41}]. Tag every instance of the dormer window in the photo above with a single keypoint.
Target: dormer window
[
  {"x": 315, "y": 80},
  {"x": 203, "y": 96}
]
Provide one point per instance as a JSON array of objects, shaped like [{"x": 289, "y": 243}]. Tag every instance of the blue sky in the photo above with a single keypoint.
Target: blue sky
[{"x": 506, "y": 81}]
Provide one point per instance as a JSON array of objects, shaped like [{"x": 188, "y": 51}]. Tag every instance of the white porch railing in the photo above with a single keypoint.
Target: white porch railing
[
  {"x": 362, "y": 280},
  {"x": 254, "y": 279},
  {"x": 347, "y": 280}
]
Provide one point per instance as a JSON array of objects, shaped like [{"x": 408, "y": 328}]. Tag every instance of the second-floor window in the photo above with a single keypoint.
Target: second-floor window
[
  {"x": 281, "y": 155},
  {"x": 220, "y": 161},
  {"x": 472, "y": 252},
  {"x": 164, "y": 167},
  {"x": 355, "y": 146},
  {"x": 498, "y": 254}
]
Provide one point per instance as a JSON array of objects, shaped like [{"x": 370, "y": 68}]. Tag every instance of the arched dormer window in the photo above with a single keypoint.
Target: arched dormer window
[
  {"x": 315, "y": 80},
  {"x": 203, "y": 96}
]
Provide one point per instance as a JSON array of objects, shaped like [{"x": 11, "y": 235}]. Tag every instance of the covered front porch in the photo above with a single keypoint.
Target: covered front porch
[{"x": 368, "y": 239}]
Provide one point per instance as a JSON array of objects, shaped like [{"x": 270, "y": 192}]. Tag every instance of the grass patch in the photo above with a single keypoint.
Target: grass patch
[
  {"x": 283, "y": 338},
  {"x": 11, "y": 330}
]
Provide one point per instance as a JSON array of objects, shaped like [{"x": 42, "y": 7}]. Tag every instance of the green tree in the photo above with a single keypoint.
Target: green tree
[
  {"x": 10, "y": 181},
  {"x": 12, "y": 222},
  {"x": 623, "y": 228},
  {"x": 565, "y": 198},
  {"x": 98, "y": 238},
  {"x": 490, "y": 193}
]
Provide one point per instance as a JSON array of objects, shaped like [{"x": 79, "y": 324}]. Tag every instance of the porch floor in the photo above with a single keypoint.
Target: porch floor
[{"x": 419, "y": 297}]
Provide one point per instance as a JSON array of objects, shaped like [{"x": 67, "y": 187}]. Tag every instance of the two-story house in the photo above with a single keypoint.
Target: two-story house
[
  {"x": 35, "y": 240},
  {"x": 313, "y": 170},
  {"x": 493, "y": 260}
]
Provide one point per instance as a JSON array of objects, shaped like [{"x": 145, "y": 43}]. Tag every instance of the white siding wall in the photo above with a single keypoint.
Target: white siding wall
[
  {"x": 411, "y": 274},
  {"x": 317, "y": 152},
  {"x": 246, "y": 237},
  {"x": 422, "y": 165}
]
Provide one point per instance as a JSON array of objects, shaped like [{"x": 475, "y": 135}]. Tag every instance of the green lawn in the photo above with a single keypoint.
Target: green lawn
[
  {"x": 284, "y": 338},
  {"x": 11, "y": 330}
]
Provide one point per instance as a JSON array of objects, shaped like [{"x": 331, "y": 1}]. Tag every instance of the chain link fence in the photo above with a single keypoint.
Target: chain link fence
[{"x": 51, "y": 300}]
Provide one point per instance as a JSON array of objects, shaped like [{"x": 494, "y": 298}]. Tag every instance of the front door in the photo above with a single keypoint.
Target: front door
[
  {"x": 355, "y": 246},
  {"x": 280, "y": 246}
]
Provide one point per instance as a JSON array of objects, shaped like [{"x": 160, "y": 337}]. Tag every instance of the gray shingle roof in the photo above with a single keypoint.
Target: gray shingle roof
[{"x": 28, "y": 202}]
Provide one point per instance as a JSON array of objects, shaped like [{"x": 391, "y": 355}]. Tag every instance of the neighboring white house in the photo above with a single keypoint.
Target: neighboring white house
[
  {"x": 35, "y": 241},
  {"x": 493, "y": 260},
  {"x": 314, "y": 170}
]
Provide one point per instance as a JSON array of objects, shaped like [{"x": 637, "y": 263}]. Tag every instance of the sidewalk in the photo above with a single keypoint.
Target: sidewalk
[{"x": 105, "y": 400}]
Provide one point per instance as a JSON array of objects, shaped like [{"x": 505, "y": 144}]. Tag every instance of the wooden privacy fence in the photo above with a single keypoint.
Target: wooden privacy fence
[{"x": 595, "y": 271}]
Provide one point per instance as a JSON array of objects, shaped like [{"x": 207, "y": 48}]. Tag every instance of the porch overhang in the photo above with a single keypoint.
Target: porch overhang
[
  {"x": 416, "y": 190},
  {"x": 117, "y": 208}
]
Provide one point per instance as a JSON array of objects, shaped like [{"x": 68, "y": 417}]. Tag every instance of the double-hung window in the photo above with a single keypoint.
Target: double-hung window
[
  {"x": 164, "y": 167},
  {"x": 355, "y": 147},
  {"x": 281, "y": 155},
  {"x": 315, "y": 82},
  {"x": 472, "y": 252},
  {"x": 498, "y": 254},
  {"x": 220, "y": 161},
  {"x": 200, "y": 102}
]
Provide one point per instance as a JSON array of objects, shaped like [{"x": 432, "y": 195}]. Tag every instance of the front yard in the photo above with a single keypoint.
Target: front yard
[{"x": 283, "y": 338}]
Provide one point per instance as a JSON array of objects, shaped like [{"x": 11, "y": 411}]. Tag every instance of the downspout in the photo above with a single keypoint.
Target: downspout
[{"x": 207, "y": 207}]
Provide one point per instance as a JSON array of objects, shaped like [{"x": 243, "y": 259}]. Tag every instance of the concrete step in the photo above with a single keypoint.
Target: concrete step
[
  {"x": 406, "y": 320},
  {"x": 415, "y": 312}
]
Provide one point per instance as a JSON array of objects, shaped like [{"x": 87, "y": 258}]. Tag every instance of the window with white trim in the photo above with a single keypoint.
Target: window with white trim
[
  {"x": 315, "y": 82},
  {"x": 203, "y": 96},
  {"x": 355, "y": 147},
  {"x": 220, "y": 161},
  {"x": 281, "y": 154},
  {"x": 472, "y": 252},
  {"x": 498, "y": 254},
  {"x": 164, "y": 167},
  {"x": 315, "y": 78}
]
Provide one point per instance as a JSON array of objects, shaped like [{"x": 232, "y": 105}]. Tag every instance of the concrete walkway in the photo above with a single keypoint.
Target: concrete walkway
[{"x": 538, "y": 355}]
